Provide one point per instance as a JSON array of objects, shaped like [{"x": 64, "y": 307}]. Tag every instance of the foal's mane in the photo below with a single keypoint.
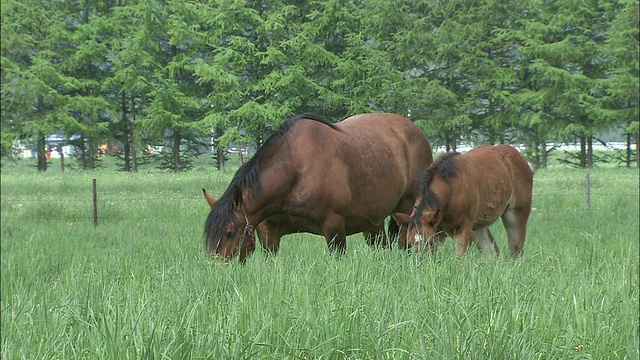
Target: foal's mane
[
  {"x": 248, "y": 177},
  {"x": 443, "y": 166}
]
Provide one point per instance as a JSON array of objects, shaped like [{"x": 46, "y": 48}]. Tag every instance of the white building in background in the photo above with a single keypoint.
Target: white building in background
[
  {"x": 27, "y": 149},
  {"x": 559, "y": 146}
]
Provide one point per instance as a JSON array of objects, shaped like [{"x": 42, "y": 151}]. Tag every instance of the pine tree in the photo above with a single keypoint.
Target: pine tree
[
  {"x": 564, "y": 47},
  {"x": 622, "y": 74},
  {"x": 86, "y": 66},
  {"x": 131, "y": 66},
  {"x": 34, "y": 39},
  {"x": 225, "y": 71},
  {"x": 175, "y": 103}
]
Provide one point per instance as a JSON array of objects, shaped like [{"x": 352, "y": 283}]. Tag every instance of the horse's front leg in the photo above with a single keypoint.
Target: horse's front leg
[
  {"x": 335, "y": 234},
  {"x": 438, "y": 240},
  {"x": 463, "y": 238},
  {"x": 403, "y": 244}
]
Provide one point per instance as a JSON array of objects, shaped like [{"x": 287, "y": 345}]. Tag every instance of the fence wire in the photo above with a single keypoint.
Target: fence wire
[{"x": 109, "y": 205}]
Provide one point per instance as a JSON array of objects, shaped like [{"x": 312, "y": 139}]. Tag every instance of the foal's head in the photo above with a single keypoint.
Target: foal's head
[{"x": 423, "y": 222}]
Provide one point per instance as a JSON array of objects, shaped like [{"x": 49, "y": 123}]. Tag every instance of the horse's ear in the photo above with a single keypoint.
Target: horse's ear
[
  {"x": 210, "y": 199},
  {"x": 401, "y": 219},
  {"x": 432, "y": 217}
]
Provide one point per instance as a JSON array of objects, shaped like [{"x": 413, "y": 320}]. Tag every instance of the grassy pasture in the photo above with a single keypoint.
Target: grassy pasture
[{"x": 140, "y": 286}]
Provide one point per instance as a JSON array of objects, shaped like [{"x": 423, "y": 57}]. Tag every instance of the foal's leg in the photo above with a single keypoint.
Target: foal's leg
[
  {"x": 463, "y": 239},
  {"x": 334, "y": 233},
  {"x": 485, "y": 242},
  {"x": 435, "y": 242},
  {"x": 403, "y": 244},
  {"x": 515, "y": 222}
]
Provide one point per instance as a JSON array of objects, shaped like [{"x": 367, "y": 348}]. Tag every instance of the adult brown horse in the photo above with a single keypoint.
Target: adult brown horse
[
  {"x": 323, "y": 178},
  {"x": 462, "y": 195}
]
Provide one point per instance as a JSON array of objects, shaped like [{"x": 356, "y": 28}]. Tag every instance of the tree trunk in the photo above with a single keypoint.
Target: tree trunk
[
  {"x": 449, "y": 143},
  {"x": 544, "y": 154},
  {"x": 219, "y": 149},
  {"x": 590, "y": 152},
  {"x": 134, "y": 153},
  {"x": 83, "y": 151},
  {"x": 127, "y": 132},
  {"x": 627, "y": 155},
  {"x": 41, "y": 142},
  {"x": 127, "y": 153},
  {"x": 91, "y": 142},
  {"x": 638, "y": 149},
  {"x": 176, "y": 151},
  {"x": 61, "y": 158},
  {"x": 92, "y": 160},
  {"x": 583, "y": 151},
  {"x": 42, "y": 152}
]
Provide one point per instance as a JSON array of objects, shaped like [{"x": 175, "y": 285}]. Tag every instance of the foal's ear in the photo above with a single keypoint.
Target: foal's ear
[
  {"x": 210, "y": 199},
  {"x": 401, "y": 219},
  {"x": 431, "y": 217}
]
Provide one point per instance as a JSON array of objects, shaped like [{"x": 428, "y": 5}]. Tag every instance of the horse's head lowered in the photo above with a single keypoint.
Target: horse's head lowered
[
  {"x": 424, "y": 221},
  {"x": 228, "y": 232},
  {"x": 422, "y": 227}
]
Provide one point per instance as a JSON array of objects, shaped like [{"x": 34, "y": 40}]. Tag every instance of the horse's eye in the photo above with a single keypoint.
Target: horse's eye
[{"x": 231, "y": 234}]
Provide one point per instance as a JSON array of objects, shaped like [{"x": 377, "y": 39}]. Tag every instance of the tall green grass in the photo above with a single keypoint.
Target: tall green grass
[{"x": 139, "y": 285}]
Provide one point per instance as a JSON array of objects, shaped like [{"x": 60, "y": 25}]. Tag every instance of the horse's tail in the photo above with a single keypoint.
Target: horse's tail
[
  {"x": 394, "y": 230},
  {"x": 532, "y": 166}
]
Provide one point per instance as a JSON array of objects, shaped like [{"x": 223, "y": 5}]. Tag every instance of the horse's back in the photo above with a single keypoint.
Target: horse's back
[
  {"x": 502, "y": 169},
  {"x": 364, "y": 169},
  {"x": 507, "y": 155},
  {"x": 386, "y": 135},
  {"x": 517, "y": 163},
  {"x": 387, "y": 153}
]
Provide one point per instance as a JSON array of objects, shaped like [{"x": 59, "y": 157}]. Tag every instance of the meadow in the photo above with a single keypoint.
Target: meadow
[{"x": 139, "y": 285}]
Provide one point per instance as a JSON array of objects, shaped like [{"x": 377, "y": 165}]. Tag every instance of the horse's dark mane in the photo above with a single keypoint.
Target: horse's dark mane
[
  {"x": 248, "y": 178},
  {"x": 443, "y": 166}
]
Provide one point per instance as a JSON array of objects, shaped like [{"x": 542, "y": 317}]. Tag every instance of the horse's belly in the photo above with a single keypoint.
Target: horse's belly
[
  {"x": 358, "y": 224},
  {"x": 487, "y": 215},
  {"x": 291, "y": 224}
]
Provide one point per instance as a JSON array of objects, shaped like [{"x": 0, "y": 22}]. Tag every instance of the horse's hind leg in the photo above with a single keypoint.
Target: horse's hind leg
[
  {"x": 485, "y": 242},
  {"x": 515, "y": 222}
]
